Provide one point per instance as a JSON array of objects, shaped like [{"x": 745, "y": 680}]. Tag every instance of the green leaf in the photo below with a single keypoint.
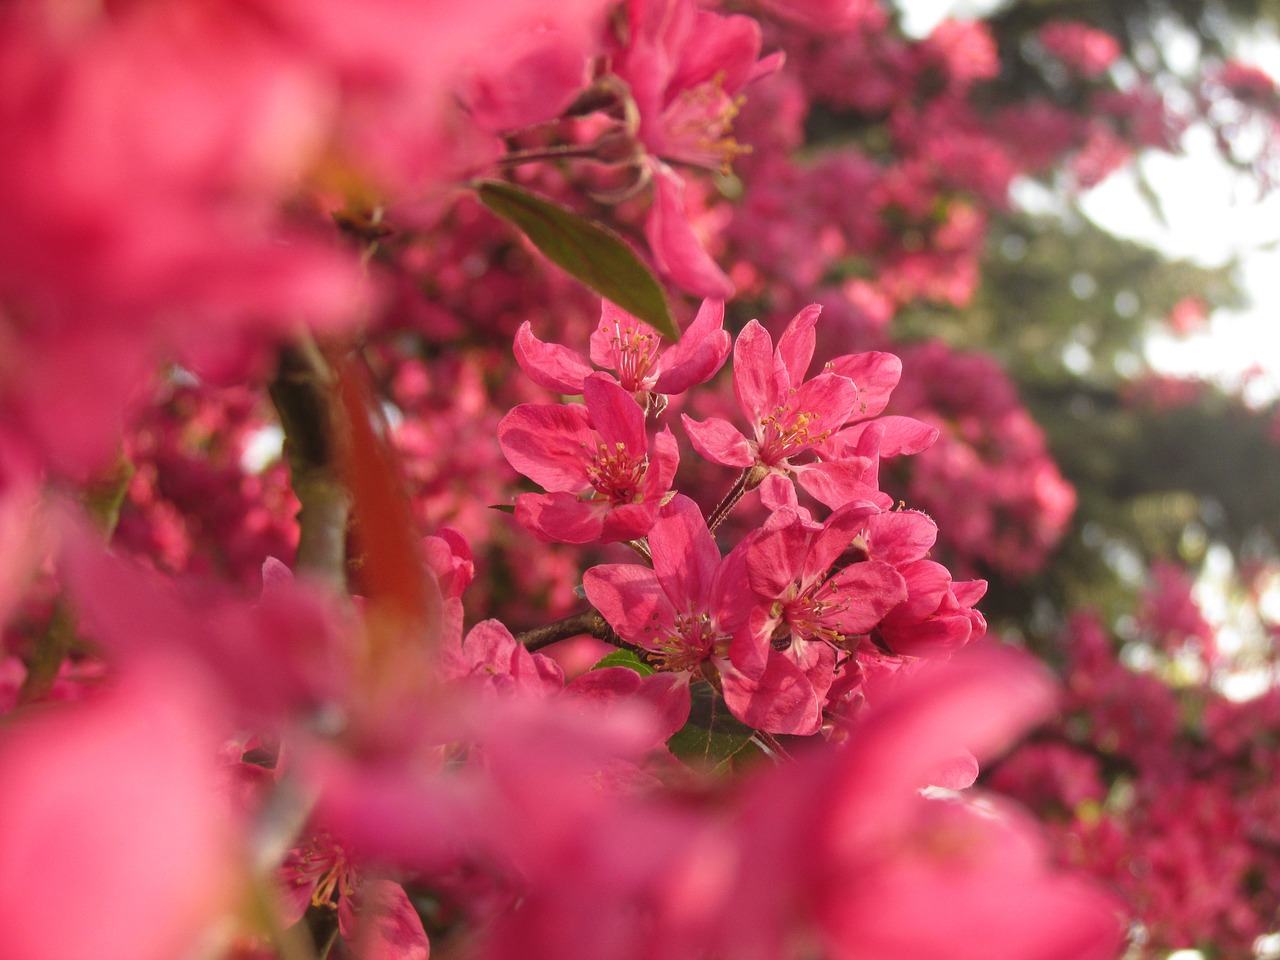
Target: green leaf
[
  {"x": 504, "y": 507},
  {"x": 713, "y": 739},
  {"x": 586, "y": 250},
  {"x": 624, "y": 658}
]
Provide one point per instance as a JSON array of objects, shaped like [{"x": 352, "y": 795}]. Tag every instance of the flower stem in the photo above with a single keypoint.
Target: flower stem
[{"x": 730, "y": 500}]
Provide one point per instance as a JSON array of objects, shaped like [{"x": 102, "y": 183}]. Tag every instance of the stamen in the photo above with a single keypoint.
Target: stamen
[
  {"x": 617, "y": 475},
  {"x": 634, "y": 353}
]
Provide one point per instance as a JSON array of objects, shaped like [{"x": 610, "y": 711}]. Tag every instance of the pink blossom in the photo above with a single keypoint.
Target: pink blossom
[
  {"x": 1188, "y": 316},
  {"x": 937, "y": 618},
  {"x": 817, "y": 608},
  {"x": 690, "y": 612},
  {"x": 599, "y": 450},
  {"x": 1169, "y": 615},
  {"x": 632, "y": 350},
  {"x": 1086, "y": 50},
  {"x": 685, "y": 68},
  {"x": 789, "y": 415},
  {"x": 490, "y": 659},
  {"x": 115, "y": 839},
  {"x": 965, "y": 50},
  {"x": 448, "y": 555},
  {"x": 814, "y": 847},
  {"x": 375, "y": 917}
]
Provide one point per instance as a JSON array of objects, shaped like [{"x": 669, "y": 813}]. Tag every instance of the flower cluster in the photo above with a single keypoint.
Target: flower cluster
[
  {"x": 300, "y": 740},
  {"x": 1160, "y": 784},
  {"x": 785, "y": 623}
]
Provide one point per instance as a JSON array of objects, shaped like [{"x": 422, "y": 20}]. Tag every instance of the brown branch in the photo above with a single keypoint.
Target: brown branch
[
  {"x": 589, "y": 622},
  {"x": 302, "y": 391}
]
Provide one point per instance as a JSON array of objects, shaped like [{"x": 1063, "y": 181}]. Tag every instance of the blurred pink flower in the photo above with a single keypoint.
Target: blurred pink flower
[{"x": 117, "y": 841}]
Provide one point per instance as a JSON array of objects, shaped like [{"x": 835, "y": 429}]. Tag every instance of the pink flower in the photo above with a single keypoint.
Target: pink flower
[
  {"x": 375, "y": 917},
  {"x": 793, "y": 417},
  {"x": 685, "y": 69},
  {"x": 492, "y": 660},
  {"x": 818, "y": 609},
  {"x": 937, "y": 617},
  {"x": 631, "y": 349},
  {"x": 690, "y": 612},
  {"x": 1080, "y": 47},
  {"x": 964, "y": 50},
  {"x": 789, "y": 415},
  {"x": 595, "y": 462},
  {"x": 116, "y": 840}
]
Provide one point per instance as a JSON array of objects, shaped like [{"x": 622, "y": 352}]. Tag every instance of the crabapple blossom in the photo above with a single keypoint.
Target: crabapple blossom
[
  {"x": 690, "y": 612},
  {"x": 145, "y": 862},
  {"x": 600, "y": 449},
  {"x": 631, "y": 349}
]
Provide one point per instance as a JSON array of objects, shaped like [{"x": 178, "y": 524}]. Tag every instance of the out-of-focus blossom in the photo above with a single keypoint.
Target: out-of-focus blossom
[
  {"x": 685, "y": 69},
  {"x": 1086, "y": 50},
  {"x": 375, "y": 917},
  {"x": 116, "y": 840}
]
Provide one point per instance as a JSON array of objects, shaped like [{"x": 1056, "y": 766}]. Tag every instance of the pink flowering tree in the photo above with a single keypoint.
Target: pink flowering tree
[{"x": 460, "y": 494}]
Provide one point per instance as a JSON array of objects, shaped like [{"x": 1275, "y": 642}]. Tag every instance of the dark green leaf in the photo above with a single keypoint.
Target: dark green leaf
[
  {"x": 713, "y": 739},
  {"x": 503, "y": 507},
  {"x": 594, "y": 255},
  {"x": 624, "y": 658}
]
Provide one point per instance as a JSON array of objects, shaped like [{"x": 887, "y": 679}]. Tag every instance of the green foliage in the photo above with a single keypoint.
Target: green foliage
[
  {"x": 587, "y": 251},
  {"x": 713, "y": 739},
  {"x": 624, "y": 658}
]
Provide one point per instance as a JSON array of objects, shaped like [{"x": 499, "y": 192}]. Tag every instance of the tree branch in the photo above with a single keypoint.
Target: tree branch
[
  {"x": 302, "y": 391},
  {"x": 589, "y": 622}
]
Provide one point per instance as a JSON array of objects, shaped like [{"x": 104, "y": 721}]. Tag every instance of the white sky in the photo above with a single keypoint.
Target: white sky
[{"x": 1212, "y": 215}]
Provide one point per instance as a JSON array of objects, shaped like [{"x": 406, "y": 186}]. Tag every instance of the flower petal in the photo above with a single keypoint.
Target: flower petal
[
  {"x": 872, "y": 589},
  {"x": 685, "y": 556},
  {"x": 630, "y": 597},
  {"x": 875, "y": 374},
  {"x": 699, "y": 353},
  {"x": 386, "y": 926},
  {"x": 755, "y": 382},
  {"x": 781, "y": 700},
  {"x": 836, "y": 484},
  {"x": 614, "y": 414},
  {"x": 676, "y": 250},
  {"x": 546, "y": 442},
  {"x": 795, "y": 346},
  {"x": 719, "y": 441},
  {"x": 631, "y": 521},
  {"x": 550, "y": 365},
  {"x": 902, "y": 435},
  {"x": 561, "y": 517}
]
